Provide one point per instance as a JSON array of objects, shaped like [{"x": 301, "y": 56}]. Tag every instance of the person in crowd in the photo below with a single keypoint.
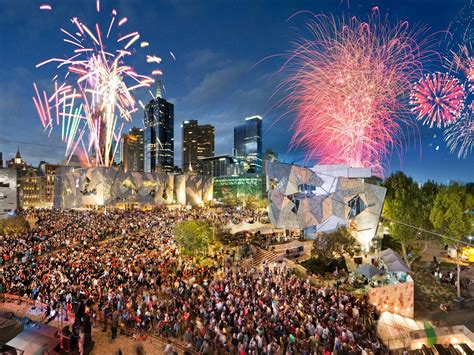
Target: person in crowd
[{"x": 115, "y": 323}]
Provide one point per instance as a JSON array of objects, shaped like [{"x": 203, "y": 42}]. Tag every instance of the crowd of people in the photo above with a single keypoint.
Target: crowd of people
[{"x": 124, "y": 267}]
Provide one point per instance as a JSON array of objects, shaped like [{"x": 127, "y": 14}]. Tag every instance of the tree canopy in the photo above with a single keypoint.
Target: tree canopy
[
  {"x": 451, "y": 212},
  {"x": 404, "y": 203},
  {"x": 193, "y": 236},
  {"x": 335, "y": 244},
  {"x": 451, "y": 216},
  {"x": 12, "y": 225}
]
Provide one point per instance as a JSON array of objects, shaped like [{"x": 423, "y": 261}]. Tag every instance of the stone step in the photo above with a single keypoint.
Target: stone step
[{"x": 262, "y": 255}]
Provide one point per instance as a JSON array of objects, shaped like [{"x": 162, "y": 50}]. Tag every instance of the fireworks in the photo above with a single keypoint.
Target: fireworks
[
  {"x": 347, "y": 86},
  {"x": 464, "y": 60},
  {"x": 438, "y": 99},
  {"x": 470, "y": 74},
  {"x": 96, "y": 97},
  {"x": 460, "y": 136}
]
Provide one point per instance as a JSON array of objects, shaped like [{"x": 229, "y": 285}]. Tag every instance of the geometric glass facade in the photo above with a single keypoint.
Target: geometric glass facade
[
  {"x": 115, "y": 188},
  {"x": 323, "y": 198},
  {"x": 8, "y": 192}
]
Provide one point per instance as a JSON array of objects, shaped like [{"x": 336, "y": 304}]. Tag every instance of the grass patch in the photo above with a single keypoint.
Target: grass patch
[{"x": 430, "y": 291}]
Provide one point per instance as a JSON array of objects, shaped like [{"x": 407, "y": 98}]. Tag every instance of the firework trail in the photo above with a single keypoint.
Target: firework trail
[
  {"x": 349, "y": 85},
  {"x": 460, "y": 136},
  {"x": 461, "y": 29},
  {"x": 463, "y": 61},
  {"x": 461, "y": 38},
  {"x": 438, "y": 99},
  {"x": 96, "y": 98}
]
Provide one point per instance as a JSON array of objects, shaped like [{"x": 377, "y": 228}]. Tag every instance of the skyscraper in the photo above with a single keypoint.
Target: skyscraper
[
  {"x": 133, "y": 150},
  {"x": 159, "y": 135},
  {"x": 248, "y": 143},
  {"x": 198, "y": 143},
  {"x": 117, "y": 147}
]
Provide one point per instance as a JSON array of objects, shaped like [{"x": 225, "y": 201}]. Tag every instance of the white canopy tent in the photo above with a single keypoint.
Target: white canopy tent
[
  {"x": 245, "y": 226},
  {"x": 393, "y": 261}
]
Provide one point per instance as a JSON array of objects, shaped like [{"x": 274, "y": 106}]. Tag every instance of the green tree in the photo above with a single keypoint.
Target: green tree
[
  {"x": 451, "y": 216},
  {"x": 229, "y": 198},
  {"x": 251, "y": 202},
  {"x": 335, "y": 244},
  {"x": 13, "y": 225},
  {"x": 403, "y": 203},
  {"x": 428, "y": 192},
  {"x": 194, "y": 237}
]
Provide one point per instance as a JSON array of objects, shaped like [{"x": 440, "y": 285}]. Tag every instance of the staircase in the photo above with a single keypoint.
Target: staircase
[{"x": 262, "y": 255}]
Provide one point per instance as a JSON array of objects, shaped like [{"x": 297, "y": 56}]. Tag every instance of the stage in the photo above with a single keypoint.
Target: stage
[{"x": 35, "y": 339}]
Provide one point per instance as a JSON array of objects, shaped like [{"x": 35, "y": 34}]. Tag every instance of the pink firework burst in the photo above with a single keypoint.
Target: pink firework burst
[
  {"x": 349, "y": 85},
  {"x": 438, "y": 98}
]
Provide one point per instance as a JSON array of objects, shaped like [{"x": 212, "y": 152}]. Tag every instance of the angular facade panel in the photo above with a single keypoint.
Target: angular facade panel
[
  {"x": 322, "y": 199},
  {"x": 79, "y": 188},
  {"x": 8, "y": 192}
]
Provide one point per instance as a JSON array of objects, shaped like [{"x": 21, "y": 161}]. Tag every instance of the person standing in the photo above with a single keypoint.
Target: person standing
[
  {"x": 115, "y": 321},
  {"x": 104, "y": 317},
  {"x": 169, "y": 350},
  {"x": 80, "y": 343}
]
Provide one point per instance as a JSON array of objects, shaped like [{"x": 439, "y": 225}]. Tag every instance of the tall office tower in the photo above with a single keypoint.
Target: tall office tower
[
  {"x": 159, "y": 135},
  {"x": 198, "y": 143},
  {"x": 248, "y": 143},
  {"x": 117, "y": 147},
  {"x": 1, "y": 160},
  {"x": 133, "y": 150}
]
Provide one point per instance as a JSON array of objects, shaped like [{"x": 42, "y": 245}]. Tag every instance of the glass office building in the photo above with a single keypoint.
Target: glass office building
[
  {"x": 248, "y": 143},
  {"x": 198, "y": 143},
  {"x": 159, "y": 136}
]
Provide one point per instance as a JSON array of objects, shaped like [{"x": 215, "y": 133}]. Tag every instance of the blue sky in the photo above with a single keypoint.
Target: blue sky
[{"x": 214, "y": 78}]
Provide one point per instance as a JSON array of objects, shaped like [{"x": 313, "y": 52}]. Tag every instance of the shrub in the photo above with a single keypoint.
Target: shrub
[{"x": 321, "y": 266}]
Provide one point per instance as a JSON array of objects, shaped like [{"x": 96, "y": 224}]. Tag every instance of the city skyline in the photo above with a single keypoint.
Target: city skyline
[{"x": 209, "y": 81}]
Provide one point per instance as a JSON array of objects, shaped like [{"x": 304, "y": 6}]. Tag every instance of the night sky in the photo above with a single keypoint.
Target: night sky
[{"x": 214, "y": 78}]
